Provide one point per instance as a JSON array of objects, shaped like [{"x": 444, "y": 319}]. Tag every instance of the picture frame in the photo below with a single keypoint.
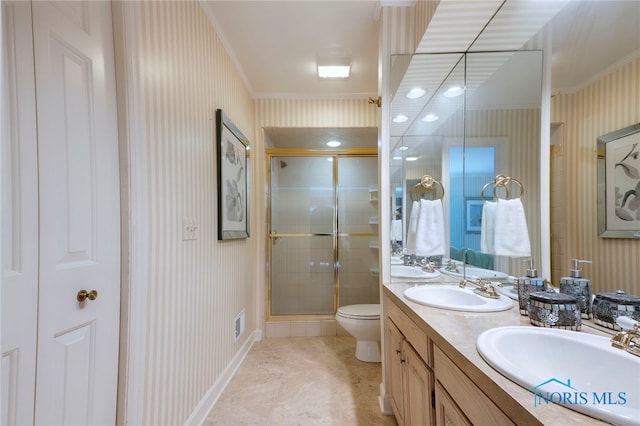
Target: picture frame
[
  {"x": 473, "y": 214},
  {"x": 618, "y": 164},
  {"x": 232, "y": 173}
]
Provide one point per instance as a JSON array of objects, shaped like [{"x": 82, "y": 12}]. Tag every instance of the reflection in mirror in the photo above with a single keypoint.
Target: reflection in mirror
[
  {"x": 479, "y": 117},
  {"x": 595, "y": 81}
]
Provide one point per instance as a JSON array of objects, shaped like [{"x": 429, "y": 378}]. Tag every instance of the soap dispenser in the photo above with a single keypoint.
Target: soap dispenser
[
  {"x": 578, "y": 287},
  {"x": 528, "y": 284}
]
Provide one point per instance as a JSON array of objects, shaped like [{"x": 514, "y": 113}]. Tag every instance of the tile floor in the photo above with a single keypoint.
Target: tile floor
[{"x": 302, "y": 381}]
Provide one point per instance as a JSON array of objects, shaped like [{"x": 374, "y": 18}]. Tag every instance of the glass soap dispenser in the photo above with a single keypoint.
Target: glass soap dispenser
[
  {"x": 528, "y": 284},
  {"x": 580, "y": 288}
]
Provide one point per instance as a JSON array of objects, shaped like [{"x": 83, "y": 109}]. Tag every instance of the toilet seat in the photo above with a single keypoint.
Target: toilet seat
[{"x": 360, "y": 312}]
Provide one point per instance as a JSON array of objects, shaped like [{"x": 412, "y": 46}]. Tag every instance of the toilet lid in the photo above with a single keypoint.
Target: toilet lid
[{"x": 370, "y": 311}]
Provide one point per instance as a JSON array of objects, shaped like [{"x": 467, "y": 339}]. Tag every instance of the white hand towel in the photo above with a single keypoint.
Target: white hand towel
[
  {"x": 511, "y": 232},
  {"x": 430, "y": 238},
  {"x": 487, "y": 227},
  {"x": 413, "y": 227},
  {"x": 396, "y": 230}
]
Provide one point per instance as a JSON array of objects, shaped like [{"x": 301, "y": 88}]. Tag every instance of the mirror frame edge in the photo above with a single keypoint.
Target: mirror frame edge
[{"x": 544, "y": 263}]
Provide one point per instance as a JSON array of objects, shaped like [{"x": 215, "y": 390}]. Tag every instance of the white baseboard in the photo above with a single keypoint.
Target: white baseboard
[{"x": 199, "y": 414}]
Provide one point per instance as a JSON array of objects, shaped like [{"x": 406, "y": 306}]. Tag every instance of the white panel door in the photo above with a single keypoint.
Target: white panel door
[
  {"x": 19, "y": 217},
  {"x": 79, "y": 213}
]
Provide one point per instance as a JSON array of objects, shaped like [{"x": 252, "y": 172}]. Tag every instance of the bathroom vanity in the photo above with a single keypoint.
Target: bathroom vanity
[{"x": 437, "y": 377}]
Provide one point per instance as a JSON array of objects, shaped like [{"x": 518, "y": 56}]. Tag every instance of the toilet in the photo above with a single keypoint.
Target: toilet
[{"x": 363, "y": 323}]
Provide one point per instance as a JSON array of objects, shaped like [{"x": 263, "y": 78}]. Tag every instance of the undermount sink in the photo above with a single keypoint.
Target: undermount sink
[
  {"x": 472, "y": 272},
  {"x": 402, "y": 271},
  {"x": 455, "y": 298},
  {"x": 577, "y": 370}
]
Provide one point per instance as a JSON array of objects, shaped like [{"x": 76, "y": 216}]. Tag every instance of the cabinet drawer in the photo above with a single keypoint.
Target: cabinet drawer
[
  {"x": 476, "y": 406},
  {"x": 412, "y": 333}
]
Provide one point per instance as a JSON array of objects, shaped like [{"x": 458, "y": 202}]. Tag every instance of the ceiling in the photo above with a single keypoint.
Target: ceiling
[{"x": 276, "y": 44}]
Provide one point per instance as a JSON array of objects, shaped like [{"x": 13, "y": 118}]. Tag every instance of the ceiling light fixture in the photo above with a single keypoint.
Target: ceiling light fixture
[
  {"x": 333, "y": 144},
  {"x": 403, "y": 148},
  {"x": 430, "y": 117},
  {"x": 396, "y": 158},
  {"x": 454, "y": 91},
  {"x": 400, "y": 118},
  {"x": 334, "y": 67},
  {"x": 415, "y": 93},
  {"x": 411, "y": 158}
]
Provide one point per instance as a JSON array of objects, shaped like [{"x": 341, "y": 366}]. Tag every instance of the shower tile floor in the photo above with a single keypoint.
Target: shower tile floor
[{"x": 302, "y": 381}]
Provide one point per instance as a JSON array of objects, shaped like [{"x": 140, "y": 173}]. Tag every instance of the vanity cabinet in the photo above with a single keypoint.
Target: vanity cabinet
[
  {"x": 411, "y": 379},
  {"x": 458, "y": 400},
  {"x": 427, "y": 387},
  {"x": 447, "y": 412}
]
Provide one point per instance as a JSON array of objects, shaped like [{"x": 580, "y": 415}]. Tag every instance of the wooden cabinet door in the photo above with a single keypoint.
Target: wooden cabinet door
[
  {"x": 447, "y": 412},
  {"x": 418, "y": 390},
  {"x": 396, "y": 372}
]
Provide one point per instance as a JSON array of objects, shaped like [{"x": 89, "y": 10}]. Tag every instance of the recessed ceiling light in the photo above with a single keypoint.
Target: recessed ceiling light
[
  {"x": 396, "y": 158},
  {"x": 333, "y": 144},
  {"x": 454, "y": 91},
  {"x": 416, "y": 93},
  {"x": 411, "y": 158},
  {"x": 403, "y": 148},
  {"x": 430, "y": 117},
  {"x": 400, "y": 118}
]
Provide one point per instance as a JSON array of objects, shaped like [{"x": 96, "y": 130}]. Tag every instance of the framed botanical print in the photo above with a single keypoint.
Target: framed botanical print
[{"x": 233, "y": 189}]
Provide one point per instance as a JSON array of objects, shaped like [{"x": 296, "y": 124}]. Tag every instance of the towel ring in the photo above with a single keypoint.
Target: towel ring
[
  {"x": 502, "y": 181},
  {"x": 426, "y": 185}
]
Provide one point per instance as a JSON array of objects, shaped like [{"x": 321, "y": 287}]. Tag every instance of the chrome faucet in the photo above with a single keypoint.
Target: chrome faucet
[
  {"x": 427, "y": 265},
  {"x": 452, "y": 266},
  {"x": 483, "y": 287},
  {"x": 464, "y": 262}
]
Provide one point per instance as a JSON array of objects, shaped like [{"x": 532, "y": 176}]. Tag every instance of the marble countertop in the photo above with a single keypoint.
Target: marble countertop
[{"x": 455, "y": 333}]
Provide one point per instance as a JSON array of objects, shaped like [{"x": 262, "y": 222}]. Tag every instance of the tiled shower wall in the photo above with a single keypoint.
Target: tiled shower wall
[{"x": 303, "y": 202}]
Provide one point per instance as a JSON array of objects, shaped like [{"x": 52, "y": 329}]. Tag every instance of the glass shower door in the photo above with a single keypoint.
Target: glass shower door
[
  {"x": 302, "y": 236},
  {"x": 358, "y": 230}
]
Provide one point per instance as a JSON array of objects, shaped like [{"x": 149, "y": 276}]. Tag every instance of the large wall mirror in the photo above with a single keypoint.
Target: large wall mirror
[
  {"x": 464, "y": 119},
  {"x": 591, "y": 52}
]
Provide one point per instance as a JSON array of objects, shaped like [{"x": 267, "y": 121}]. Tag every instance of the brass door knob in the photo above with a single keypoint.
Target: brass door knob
[{"x": 84, "y": 295}]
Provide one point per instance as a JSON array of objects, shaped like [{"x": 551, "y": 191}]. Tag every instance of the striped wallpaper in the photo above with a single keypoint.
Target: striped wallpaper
[
  {"x": 424, "y": 11},
  {"x": 195, "y": 288},
  {"x": 611, "y": 103},
  {"x": 315, "y": 113}
]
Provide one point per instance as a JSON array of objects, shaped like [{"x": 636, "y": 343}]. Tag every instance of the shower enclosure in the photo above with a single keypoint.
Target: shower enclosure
[{"x": 323, "y": 234}]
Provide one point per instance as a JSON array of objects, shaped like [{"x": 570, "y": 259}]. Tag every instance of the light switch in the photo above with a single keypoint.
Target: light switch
[{"x": 189, "y": 229}]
